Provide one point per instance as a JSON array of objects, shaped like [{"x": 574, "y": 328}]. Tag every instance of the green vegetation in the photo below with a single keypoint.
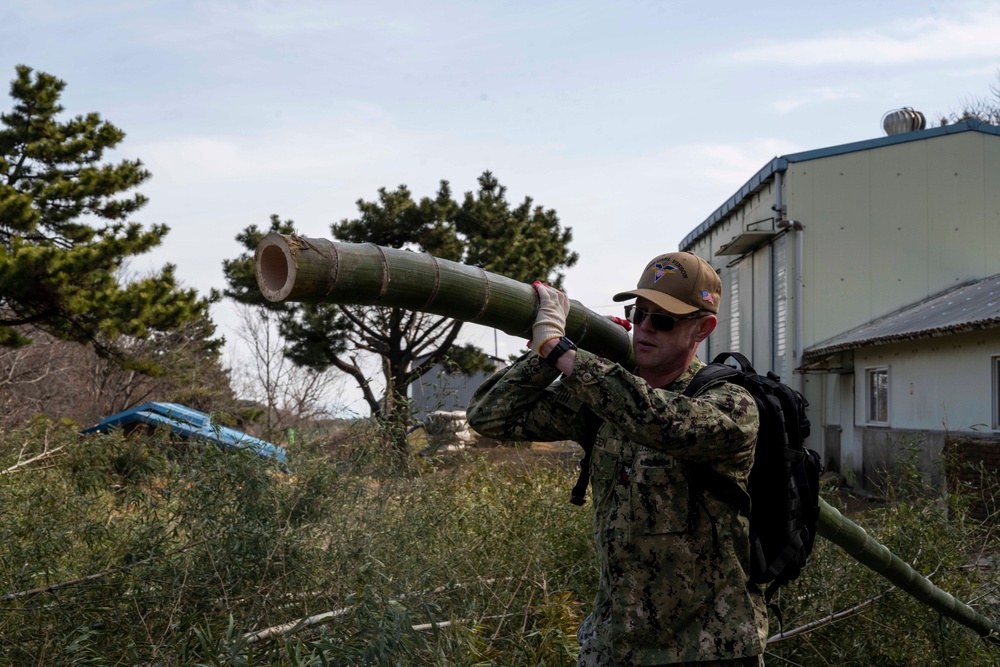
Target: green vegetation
[
  {"x": 80, "y": 336},
  {"x": 144, "y": 551},
  {"x": 158, "y": 553},
  {"x": 945, "y": 537},
  {"x": 65, "y": 233}
]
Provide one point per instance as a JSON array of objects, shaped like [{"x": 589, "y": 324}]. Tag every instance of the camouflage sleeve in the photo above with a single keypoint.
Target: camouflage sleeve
[
  {"x": 721, "y": 423},
  {"x": 522, "y": 403}
]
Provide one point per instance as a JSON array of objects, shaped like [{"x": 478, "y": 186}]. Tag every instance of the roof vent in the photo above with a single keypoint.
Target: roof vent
[{"x": 903, "y": 120}]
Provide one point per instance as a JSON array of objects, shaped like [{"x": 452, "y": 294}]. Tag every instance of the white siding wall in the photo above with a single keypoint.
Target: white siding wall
[
  {"x": 741, "y": 338},
  {"x": 940, "y": 384},
  {"x": 887, "y": 228},
  {"x": 746, "y": 316}
]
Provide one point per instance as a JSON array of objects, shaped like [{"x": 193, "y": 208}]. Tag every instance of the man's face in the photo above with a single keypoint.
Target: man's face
[{"x": 660, "y": 352}]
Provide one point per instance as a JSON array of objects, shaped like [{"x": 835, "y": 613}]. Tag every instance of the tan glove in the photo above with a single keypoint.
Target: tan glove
[{"x": 550, "y": 321}]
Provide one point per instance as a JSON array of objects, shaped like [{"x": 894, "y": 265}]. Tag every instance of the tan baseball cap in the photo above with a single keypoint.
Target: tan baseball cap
[{"x": 679, "y": 283}]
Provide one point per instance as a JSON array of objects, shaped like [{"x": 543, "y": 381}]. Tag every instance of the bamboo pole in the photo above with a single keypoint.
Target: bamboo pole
[
  {"x": 863, "y": 548},
  {"x": 293, "y": 268}
]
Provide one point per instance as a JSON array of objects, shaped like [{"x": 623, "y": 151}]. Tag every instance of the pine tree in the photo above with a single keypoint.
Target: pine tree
[
  {"x": 64, "y": 229},
  {"x": 524, "y": 242}
]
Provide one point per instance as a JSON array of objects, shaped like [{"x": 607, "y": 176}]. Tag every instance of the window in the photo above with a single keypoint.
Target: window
[
  {"x": 734, "y": 308},
  {"x": 996, "y": 393},
  {"x": 877, "y": 380},
  {"x": 779, "y": 277}
]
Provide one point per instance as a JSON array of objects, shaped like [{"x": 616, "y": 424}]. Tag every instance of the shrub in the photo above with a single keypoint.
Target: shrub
[
  {"x": 878, "y": 624},
  {"x": 146, "y": 551},
  {"x": 140, "y": 550}
]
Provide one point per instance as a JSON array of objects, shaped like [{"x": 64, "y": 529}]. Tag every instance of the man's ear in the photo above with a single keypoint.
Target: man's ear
[{"x": 706, "y": 325}]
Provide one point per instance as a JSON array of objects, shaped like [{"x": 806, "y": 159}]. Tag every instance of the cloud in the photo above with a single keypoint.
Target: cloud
[
  {"x": 812, "y": 96},
  {"x": 947, "y": 37},
  {"x": 211, "y": 26},
  {"x": 619, "y": 208}
]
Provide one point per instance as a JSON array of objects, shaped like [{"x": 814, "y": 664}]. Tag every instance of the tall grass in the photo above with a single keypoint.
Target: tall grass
[
  {"x": 934, "y": 532},
  {"x": 190, "y": 551},
  {"x": 144, "y": 551}
]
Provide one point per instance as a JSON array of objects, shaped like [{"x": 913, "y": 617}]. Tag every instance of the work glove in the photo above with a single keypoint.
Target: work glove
[{"x": 550, "y": 320}]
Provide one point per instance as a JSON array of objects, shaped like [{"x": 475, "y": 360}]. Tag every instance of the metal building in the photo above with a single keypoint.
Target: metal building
[
  {"x": 868, "y": 276},
  {"x": 440, "y": 390}
]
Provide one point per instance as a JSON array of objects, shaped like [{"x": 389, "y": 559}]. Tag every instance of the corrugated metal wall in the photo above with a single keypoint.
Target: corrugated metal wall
[{"x": 437, "y": 390}]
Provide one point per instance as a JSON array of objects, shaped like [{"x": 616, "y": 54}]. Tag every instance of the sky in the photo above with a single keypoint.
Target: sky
[{"x": 633, "y": 119}]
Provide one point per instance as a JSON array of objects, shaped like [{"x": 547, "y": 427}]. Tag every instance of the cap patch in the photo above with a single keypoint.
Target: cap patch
[
  {"x": 689, "y": 283},
  {"x": 661, "y": 270}
]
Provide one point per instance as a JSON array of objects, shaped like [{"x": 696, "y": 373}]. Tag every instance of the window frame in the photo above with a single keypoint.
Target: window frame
[
  {"x": 871, "y": 406},
  {"x": 995, "y": 390},
  {"x": 779, "y": 305}
]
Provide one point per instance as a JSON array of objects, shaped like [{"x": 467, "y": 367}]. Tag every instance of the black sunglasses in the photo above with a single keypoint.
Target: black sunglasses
[{"x": 660, "y": 321}]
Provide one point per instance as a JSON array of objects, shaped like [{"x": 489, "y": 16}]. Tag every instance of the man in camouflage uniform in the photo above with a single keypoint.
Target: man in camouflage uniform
[{"x": 673, "y": 559}]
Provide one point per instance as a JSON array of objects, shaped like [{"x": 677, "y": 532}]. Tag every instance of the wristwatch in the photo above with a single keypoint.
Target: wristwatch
[{"x": 562, "y": 347}]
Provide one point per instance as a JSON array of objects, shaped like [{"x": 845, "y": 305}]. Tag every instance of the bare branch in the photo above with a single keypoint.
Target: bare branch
[
  {"x": 20, "y": 464},
  {"x": 432, "y": 332},
  {"x": 441, "y": 349},
  {"x": 93, "y": 577},
  {"x": 292, "y": 394},
  {"x": 359, "y": 321},
  {"x": 832, "y": 618}
]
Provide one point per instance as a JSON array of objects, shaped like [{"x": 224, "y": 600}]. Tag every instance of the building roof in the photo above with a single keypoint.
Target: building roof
[
  {"x": 187, "y": 423},
  {"x": 971, "y": 307},
  {"x": 781, "y": 164}
]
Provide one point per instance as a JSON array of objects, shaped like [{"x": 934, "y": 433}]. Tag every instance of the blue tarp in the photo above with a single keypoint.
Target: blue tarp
[{"x": 187, "y": 423}]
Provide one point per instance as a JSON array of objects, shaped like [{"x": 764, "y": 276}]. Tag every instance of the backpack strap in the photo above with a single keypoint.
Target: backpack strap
[
  {"x": 702, "y": 476},
  {"x": 711, "y": 375},
  {"x": 578, "y": 496},
  {"x": 739, "y": 358},
  {"x": 722, "y": 487}
]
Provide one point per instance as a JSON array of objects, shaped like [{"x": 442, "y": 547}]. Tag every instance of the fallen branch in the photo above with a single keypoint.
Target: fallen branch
[
  {"x": 47, "y": 453},
  {"x": 832, "y": 618},
  {"x": 447, "y": 624},
  {"x": 291, "y": 628},
  {"x": 92, "y": 577},
  {"x": 294, "y": 626}
]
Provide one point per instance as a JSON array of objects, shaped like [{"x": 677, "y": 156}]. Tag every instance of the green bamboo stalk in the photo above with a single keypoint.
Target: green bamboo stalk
[
  {"x": 293, "y": 268},
  {"x": 863, "y": 548}
]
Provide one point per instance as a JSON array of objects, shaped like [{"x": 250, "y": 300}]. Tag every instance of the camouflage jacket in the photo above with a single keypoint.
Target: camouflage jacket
[{"x": 671, "y": 587}]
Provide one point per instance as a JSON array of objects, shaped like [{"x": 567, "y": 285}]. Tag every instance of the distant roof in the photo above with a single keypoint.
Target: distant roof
[
  {"x": 781, "y": 164},
  {"x": 187, "y": 423},
  {"x": 970, "y": 307}
]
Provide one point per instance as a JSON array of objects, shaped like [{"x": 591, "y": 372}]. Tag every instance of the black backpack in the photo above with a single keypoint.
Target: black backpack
[{"x": 783, "y": 500}]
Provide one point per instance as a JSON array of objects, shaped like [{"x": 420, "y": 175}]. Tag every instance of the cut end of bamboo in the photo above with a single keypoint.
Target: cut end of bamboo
[{"x": 274, "y": 267}]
